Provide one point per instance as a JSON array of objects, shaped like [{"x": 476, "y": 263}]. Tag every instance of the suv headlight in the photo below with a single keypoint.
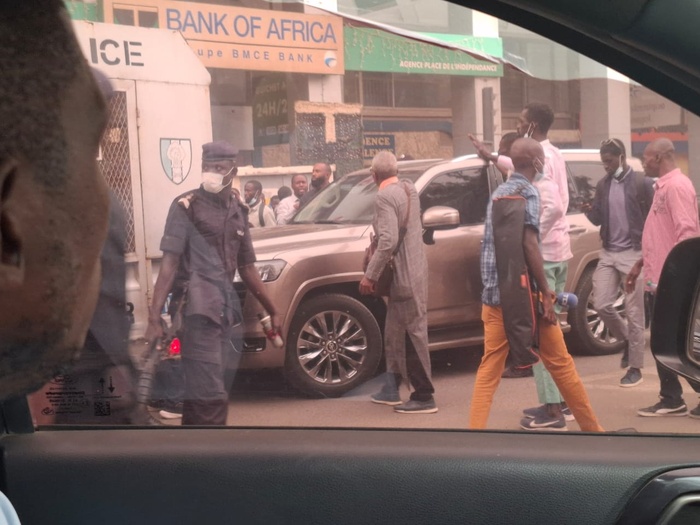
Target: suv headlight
[{"x": 268, "y": 270}]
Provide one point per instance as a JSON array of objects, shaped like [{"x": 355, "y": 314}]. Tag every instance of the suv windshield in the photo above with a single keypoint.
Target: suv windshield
[{"x": 347, "y": 201}]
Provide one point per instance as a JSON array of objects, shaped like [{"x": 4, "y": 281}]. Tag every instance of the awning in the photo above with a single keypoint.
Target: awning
[
  {"x": 375, "y": 50},
  {"x": 455, "y": 42}
]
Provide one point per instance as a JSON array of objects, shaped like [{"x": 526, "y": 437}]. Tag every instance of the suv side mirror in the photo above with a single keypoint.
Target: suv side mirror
[
  {"x": 438, "y": 218},
  {"x": 675, "y": 324}
]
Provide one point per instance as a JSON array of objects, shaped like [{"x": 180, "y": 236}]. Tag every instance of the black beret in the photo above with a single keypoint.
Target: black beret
[{"x": 218, "y": 150}]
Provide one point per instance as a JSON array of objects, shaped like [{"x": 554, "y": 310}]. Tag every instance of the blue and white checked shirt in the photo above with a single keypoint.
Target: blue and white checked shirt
[{"x": 489, "y": 276}]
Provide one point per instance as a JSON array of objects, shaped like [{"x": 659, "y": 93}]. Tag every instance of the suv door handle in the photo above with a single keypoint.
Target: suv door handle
[{"x": 577, "y": 230}]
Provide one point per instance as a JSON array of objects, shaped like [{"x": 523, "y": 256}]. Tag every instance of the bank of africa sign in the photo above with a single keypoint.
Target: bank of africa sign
[{"x": 252, "y": 39}]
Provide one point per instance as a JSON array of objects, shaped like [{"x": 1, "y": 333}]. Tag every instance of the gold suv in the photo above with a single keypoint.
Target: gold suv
[{"x": 312, "y": 268}]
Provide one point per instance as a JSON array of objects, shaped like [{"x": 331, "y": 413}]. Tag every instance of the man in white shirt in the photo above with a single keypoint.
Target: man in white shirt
[
  {"x": 289, "y": 205},
  {"x": 535, "y": 121}
]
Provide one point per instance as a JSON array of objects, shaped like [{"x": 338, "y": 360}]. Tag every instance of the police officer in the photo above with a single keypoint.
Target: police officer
[{"x": 206, "y": 239}]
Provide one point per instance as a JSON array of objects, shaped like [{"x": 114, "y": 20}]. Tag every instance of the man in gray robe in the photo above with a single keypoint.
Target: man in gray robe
[{"x": 406, "y": 328}]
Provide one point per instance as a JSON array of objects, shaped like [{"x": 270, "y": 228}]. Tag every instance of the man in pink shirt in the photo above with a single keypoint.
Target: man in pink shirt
[{"x": 673, "y": 218}]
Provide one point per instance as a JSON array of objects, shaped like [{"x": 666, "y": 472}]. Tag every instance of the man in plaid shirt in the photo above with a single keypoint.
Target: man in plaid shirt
[{"x": 528, "y": 160}]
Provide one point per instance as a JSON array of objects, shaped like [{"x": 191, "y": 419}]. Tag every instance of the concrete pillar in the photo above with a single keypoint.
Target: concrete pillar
[
  {"x": 464, "y": 114},
  {"x": 605, "y": 105},
  {"x": 324, "y": 88},
  {"x": 469, "y": 113},
  {"x": 693, "y": 148}
]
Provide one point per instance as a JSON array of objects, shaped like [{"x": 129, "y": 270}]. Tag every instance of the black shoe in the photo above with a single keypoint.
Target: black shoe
[
  {"x": 695, "y": 413},
  {"x": 557, "y": 424},
  {"x": 157, "y": 403},
  {"x": 413, "y": 406},
  {"x": 541, "y": 412},
  {"x": 663, "y": 409},
  {"x": 513, "y": 372},
  {"x": 384, "y": 397},
  {"x": 633, "y": 377},
  {"x": 172, "y": 411},
  {"x": 140, "y": 416}
]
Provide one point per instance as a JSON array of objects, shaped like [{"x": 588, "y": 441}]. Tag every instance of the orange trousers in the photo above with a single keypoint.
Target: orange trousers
[{"x": 555, "y": 358}]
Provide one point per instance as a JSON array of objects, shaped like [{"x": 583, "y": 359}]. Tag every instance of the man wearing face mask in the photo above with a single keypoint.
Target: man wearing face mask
[
  {"x": 528, "y": 157},
  {"x": 260, "y": 214},
  {"x": 320, "y": 178},
  {"x": 206, "y": 240},
  {"x": 534, "y": 122},
  {"x": 552, "y": 184},
  {"x": 620, "y": 207}
]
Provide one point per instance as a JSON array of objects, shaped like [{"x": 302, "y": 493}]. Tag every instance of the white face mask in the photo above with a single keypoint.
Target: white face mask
[
  {"x": 540, "y": 170},
  {"x": 618, "y": 171},
  {"x": 213, "y": 182},
  {"x": 530, "y": 130}
]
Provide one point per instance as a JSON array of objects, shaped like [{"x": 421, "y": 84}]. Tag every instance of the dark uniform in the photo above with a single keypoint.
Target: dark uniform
[
  {"x": 210, "y": 234},
  {"x": 105, "y": 354}
]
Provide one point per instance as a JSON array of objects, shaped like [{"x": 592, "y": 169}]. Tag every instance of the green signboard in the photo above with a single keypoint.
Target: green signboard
[
  {"x": 380, "y": 51},
  {"x": 82, "y": 11}
]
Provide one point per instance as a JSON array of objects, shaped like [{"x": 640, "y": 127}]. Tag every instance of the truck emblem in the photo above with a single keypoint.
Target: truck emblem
[{"x": 176, "y": 158}]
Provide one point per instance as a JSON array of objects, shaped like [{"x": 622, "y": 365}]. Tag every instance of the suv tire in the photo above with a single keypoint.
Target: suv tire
[
  {"x": 334, "y": 345},
  {"x": 589, "y": 335}
]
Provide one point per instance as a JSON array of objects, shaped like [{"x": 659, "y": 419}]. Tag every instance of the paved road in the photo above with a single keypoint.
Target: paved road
[{"x": 259, "y": 399}]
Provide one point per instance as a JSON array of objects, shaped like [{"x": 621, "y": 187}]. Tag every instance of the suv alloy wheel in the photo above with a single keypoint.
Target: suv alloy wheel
[
  {"x": 334, "y": 345},
  {"x": 589, "y": 335}
]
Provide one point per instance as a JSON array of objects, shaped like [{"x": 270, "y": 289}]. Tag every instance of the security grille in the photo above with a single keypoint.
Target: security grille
[{"x": 115, "y": 162}]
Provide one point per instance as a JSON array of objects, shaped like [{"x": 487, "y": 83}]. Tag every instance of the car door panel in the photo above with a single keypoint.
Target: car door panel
[
  {"x": 455, "y": 287},
  {"x": 455, "y": 278},
  {"x": 330, "y": 476}
]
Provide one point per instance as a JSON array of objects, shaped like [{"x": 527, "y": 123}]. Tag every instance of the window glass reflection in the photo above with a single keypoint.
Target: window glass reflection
[{"x": 292, "y": 87}]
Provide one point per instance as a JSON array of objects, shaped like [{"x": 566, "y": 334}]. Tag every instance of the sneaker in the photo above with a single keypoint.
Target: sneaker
[
  {"x": 141, "y": 416},
  {"x": 386, "y": 398},
  {"x": 157, "y": 404},
  {"x": 532, "y": 413},
  {"x": 568, "y": 414},
  {"x": 541, "y": 412},
  {"x": 512, "y": 372},
  {"x": 413, "y": 406},
  {"x": 632, "y": 378},
  {"x": 662, "y": 409},
  {"x": 695, "y": 413},
  {"x": 555, "y": 424},
  {"x": 166, "y": 414},
  {"x": 172, "y": 411},
  {"x": 625, "y": 359}
]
